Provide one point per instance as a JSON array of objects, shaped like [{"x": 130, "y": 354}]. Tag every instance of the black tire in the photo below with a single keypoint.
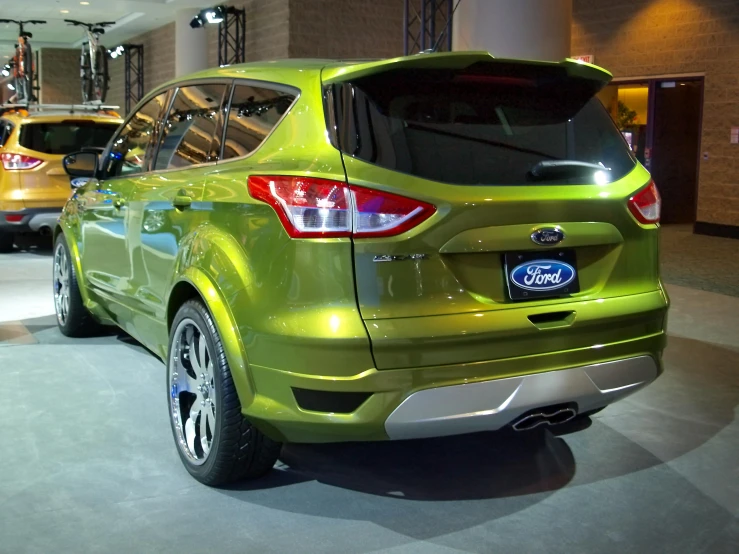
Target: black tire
[
  {"x": 101, "y": 82},
  {"x": 238, "y": 450},
  {"x": 6, "y": 242},
  {"x": 75, "y": 321},
  {"x": 86, "y": 76}
]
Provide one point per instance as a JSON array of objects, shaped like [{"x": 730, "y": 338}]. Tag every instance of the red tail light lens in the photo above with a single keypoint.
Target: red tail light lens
[
  {"x": 19, "y": 161},
  {"x": 318, "y": 208},
  {"x": 646, "y": 205},
  {"x": 308, "y": 208},
  {"x": 14, "y": 218}
]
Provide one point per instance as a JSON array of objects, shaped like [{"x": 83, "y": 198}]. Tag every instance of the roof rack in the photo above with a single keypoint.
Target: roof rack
[{"x": 71, "y": 108}]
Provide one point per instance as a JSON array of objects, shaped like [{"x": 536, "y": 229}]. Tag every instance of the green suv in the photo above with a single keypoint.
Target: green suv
[{"x": 331, "y": 251}]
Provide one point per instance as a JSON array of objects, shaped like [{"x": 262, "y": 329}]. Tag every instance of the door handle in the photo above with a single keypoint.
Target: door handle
[
  {"x": 182, "y": 201},
  {"x": 119, "y": 203}
]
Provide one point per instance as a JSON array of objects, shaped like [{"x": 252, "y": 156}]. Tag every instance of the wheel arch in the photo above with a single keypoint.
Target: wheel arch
[{"x": 196, "y": 284}]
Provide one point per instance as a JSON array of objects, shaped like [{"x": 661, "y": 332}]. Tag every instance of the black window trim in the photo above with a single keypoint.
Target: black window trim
[
  {"x": 170, "y": 102},
  {"x": 278, "y": 87}
]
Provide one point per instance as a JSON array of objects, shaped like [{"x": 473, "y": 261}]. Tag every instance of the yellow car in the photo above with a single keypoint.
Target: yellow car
[{"x": 33, "y": 184}]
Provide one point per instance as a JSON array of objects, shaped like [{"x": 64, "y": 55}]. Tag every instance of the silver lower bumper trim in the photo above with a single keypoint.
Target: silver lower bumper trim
[
  {"x": 491, "y": 405},
  {"x": 44, "y": 220}
]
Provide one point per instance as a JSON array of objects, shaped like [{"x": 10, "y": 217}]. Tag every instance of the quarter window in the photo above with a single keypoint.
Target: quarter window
[
  {"x": 192, "y": 130},
  {"x": 253, "y": 113},
  {"x": 131, "y": 149}
]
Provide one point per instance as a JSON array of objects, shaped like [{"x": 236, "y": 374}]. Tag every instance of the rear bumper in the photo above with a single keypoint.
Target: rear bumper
[
  {"x": 491, "y": 405},
  {"x": 31, "y": 220},
  {"x": 454, "y": 399}
]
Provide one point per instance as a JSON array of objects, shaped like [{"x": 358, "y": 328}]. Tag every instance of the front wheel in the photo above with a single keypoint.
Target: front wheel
[
  {"x": 72, "y": 317},
  {"x": 216, "y": 443}
]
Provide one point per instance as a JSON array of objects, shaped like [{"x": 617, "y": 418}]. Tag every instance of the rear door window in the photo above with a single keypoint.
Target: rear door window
[
  {"x": 193, "y": 128},
  {"x": 253, "y": 113},
  {"x": 489, "y": 124},
  {"x": 65, "y": 137}
]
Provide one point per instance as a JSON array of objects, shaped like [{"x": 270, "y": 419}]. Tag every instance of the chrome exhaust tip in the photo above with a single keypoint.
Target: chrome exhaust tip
[
  {"x": 45, "y": 231},
  {"x": 544, "y": 416}
]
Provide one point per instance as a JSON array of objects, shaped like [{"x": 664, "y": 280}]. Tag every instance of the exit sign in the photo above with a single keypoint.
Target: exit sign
[{"x": 587, "y": 58}]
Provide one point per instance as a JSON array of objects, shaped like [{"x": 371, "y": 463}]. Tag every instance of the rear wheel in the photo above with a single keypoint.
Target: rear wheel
[
  {"x": 101, "y": 78},
  {"x": 86, "y": 76},
  {"x": 72, "y": 317},
  {"x": 215, "y": 442},
  {"x": 6, "y": 242}
]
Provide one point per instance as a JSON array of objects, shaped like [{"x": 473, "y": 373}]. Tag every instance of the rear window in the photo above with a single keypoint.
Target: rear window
[
  {"x": 65, "y": 137},
  {"x": 489, "y": 124}
]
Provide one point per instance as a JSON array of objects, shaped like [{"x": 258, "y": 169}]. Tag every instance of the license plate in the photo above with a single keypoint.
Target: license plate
[{"x": 531, "y": 275}]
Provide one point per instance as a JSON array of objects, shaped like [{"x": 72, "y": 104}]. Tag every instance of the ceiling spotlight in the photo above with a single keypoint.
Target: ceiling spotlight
[
  {"x": 5, "y": 72},
  {"x": 10, "y": 86},
  {"x": 214, "y": 16},
  {"x": 209, "y": 15},
  {"x": 117, "y": 51},
  {"x": 63, "y": 11}
]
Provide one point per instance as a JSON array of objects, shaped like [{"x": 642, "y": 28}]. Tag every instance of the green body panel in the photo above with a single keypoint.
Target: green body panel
[{"x": 321, "y": 314}]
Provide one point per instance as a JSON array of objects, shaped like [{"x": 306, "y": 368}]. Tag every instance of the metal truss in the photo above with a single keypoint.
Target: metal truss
[
  {"x": 134, "y": 74},
  {"x": 232, "y": 37},
  {"x": 427, "y": 24}
]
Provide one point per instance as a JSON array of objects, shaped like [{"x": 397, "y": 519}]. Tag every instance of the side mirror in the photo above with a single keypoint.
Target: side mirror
[{"x": 81, "y": 164}]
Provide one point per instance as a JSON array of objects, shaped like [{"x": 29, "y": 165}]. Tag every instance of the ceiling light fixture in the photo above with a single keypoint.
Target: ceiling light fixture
[
  {"x": 63, "y": 11},
  {"x": 117, "y": 51},
  {"x": 84, "y": 3},
  {"x": 208, "y": 16},
  {"x": 10, "y": 86}
]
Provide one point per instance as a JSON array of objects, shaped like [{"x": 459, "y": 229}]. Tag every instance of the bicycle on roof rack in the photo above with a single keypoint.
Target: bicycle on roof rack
[
  {"x": 94, "y": 75},
  {"x": 23, "y": 62}
]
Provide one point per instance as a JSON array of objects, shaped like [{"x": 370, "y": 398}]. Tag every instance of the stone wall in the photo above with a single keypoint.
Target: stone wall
[
  {"x": 158, "y": 63},
  {"x": 638, "y": 38},
  {"x": 59, "y": 76},
  {"x": 346, "y": 29}
]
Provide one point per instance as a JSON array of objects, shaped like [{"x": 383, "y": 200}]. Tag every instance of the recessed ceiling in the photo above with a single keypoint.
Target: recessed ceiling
[{"x": 132, "y": 18}]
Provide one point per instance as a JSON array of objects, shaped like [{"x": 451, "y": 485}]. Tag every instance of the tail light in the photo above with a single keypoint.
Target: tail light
[
  {"x": 319, "y": 208},
  {"x": 14, "y": 218},
  {"x": 646, "y": 205},
  {"x": 19, "y": 161}
]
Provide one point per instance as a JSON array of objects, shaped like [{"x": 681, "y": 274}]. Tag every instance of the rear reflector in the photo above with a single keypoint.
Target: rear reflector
[
  {"x": 319, "y": 208},
  {"x": 15, "y": 218},
  {"x": 646, "y": 205},
  {"x": 19, "y": 161}
]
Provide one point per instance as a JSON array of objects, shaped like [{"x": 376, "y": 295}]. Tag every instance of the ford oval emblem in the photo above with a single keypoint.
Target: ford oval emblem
[
  {"x": 543, "y": 275},
  {"x": 547, "y": 236}
]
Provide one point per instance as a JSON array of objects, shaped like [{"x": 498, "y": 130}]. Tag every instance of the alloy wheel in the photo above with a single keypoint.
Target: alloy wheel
[
  {"x": 62, "y": 272},
  {"x": 192, "y": 391}
]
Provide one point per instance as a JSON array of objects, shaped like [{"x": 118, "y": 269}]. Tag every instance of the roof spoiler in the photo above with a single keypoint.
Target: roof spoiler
[{"x": 457, "y": 60}]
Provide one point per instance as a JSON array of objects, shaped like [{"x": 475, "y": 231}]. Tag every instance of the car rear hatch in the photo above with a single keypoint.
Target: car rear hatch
[
  {"x": 509, "y": 153},
  {"x": 43, "y": 145}
]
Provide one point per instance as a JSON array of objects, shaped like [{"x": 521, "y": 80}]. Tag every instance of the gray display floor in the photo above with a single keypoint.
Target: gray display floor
[{"x": 89, "y": 465}]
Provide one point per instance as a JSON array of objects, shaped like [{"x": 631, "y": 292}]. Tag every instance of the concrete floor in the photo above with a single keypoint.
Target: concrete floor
[{"x": 89, "y": 465}]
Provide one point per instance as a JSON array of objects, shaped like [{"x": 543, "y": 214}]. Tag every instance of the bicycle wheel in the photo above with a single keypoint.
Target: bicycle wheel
[
  {"x": 86, "y": 76},
  {"x": 28, "y": 67},
  {"x": 101, "y": 78}
]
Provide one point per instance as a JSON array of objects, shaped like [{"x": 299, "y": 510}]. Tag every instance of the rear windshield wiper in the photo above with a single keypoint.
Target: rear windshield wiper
[
  {"x": 561, "y": 169},
  {"x": 434, "y": 130}
]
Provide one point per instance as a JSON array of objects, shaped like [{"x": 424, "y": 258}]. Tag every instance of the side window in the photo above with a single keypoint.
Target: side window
[
  {"x": 192, "y": 131},
  {"x": 132, "y": 147},
  {"x": 253, "y": 112}
]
